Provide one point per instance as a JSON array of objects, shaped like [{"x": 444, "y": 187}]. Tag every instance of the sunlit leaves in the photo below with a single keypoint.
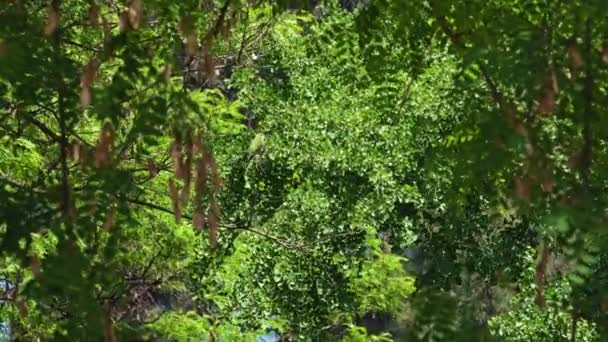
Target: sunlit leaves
[
  {"x": 223, "y": 115},
  {"x": 382, "y": 284},
  {"x": 523, "y": 318}
]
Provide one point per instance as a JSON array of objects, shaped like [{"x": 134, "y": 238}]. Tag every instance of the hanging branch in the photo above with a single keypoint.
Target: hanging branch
[{"x": 456, "y": 39}]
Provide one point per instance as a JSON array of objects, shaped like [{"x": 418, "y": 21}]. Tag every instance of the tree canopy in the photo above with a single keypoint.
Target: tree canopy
[{"x": 272, "y": 170}]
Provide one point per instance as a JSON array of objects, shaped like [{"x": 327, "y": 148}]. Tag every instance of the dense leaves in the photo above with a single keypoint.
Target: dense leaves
[{"x": 303, "y": 170}]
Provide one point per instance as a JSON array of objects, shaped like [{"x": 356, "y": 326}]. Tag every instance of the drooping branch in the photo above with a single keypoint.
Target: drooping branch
[{"x": 457, "y": 41}]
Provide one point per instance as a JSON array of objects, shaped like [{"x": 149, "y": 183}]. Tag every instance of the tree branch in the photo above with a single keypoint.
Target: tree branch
[
  {"x": 242, "y": 47},
  {"x": 47, "y": 131},
  {"x": 220, "y": 20},
  {"x": 505, "y": 105},
  {"x": 20, "y": 186},
  {"x": 277, "y": 240},
  {"x": 457, "y": 41}
]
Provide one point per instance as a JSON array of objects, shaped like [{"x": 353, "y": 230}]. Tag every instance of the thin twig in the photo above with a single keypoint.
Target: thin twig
[{"x": 229, "y": 227}]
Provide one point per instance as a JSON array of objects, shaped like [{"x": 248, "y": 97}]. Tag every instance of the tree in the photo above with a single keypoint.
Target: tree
[
  {"x": 94, "y": 120},
  {"x": 321, "y": 170}
]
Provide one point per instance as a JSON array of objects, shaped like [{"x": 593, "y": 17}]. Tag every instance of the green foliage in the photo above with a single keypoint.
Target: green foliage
[
  {"x": 356, "y": 170},
  {"x": 182, "y": 327},
  {"x": 525, "y": 321},
  {"x": 23, "y": 160},
  {"x": 359, "y": 334},
  {"x": 381, "y": 285}
]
